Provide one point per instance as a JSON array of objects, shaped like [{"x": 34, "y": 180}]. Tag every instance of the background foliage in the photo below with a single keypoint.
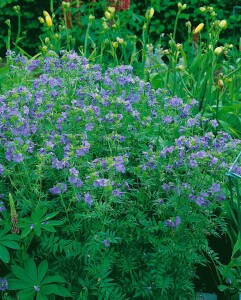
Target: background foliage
[{"x": 132, "y": 20}]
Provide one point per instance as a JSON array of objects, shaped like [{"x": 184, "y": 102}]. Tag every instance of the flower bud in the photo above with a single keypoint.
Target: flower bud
[
  {"x": 188, "y": 24},
  {"x": 44, "y": 48},
  {"x": 107, "y": 15},
  {"x": 179, "y": 46},
  {"x": 91, "y": 18},
  {"x": 149, "y": 14},
  {"x": 198, "y": 28},
  {"x": 202, "y": 9},
  {"x": 48, "y": 21},
  {"x": 184, "y": 6},
  {"x": 120, "y": 41},
  {"x": 223, "y": 24},
  {"x": 180, "y": 68},
  {"x": 166, "y": 52},
  {"x": 45, "y": 13},
  {"x": 41, "y": 20},
  {"x": 115, "y": 44},
  {"x": 218, "y": 50},
  {"x": 104, "y": 25},
  {"x": 111, "y": 9},
  {"x": 46, "y": 40},
  {"x": 220, "y": 83}
]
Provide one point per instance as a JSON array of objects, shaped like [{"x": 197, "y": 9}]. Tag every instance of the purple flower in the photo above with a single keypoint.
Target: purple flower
[
  {"x": 36, "y": 288},
  {"x": 101, "y": 182},
  {"x": 106, "y": 243},
  {"x": 77, "y": 182},
  {"x": 117, "y": 193},
  {"x": 3, "y": 284},
  {"x": 88, "y": 199},
  {"x": 58, "y": 189},
  {"x": 2, "y": 207},
  {"x": 74, "y": 171},
  {"x": 18, "y": 157},
  {"x": 167, "y": 120},
  {"x": 173, "y": 224},
  {"x": 119, "y": 164},
  {"x": 1, "y": 169},
  {"x": 214, "y": 123},
  {"x": 215, "y": 188},
  {"x": 89, "y": 127}
]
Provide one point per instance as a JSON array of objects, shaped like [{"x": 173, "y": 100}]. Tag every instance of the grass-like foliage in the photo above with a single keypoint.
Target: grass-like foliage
[{"x": 110, "y": 188}]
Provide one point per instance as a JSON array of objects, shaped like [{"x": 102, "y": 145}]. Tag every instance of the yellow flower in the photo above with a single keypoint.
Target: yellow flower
[
  {"x": 115, "y": 44},
  {"x": 149, "y": 14},
  {"x": 188, "y": 24},
  {"x": 111, "y": 9},
  {"x": 91, "y": 18},
  {"x": 41, "y": 20},
  {"x": 220, "y": 83},
  {"x": 104, "y": 25},
  {"x": 198, "y": 28},
  {"x": 202, "y": 9},
  {"x": 48, "y": 21},
  {"x": 107, "y": 15},
  {"x": 223, "y": 24},
  {"x": 45, "y": 13},
  {"x": 120, "y": 40},
  {"x": 218, "y": 50}
]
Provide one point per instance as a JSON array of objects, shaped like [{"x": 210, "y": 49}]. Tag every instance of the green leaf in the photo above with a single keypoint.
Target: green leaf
[
  {"x": 42, "y": 270},
  {"x": 48, "y": 228},
  {"x": 25, "y": 232},
  {"x": 41, "y": 296},
  {"x": 54, "y": 278},
  {"x": 27, "y": 294},
  {"x": 19, "y": 284},
  {"x": 57, "y": 290},
  {"x": 21, "y": 274},
  {"x": 8, "y": 237},
  {"x": 10, "y": 244},
  {"x": 50, "y": 216},
  {"x": 31, "y": 270},
  {"x": 4, "y": 254},
  {"x": 222, "y": 288}
]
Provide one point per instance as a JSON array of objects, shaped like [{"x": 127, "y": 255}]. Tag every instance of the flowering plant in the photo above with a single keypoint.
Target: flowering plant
[{"x": 132, "y": 177}]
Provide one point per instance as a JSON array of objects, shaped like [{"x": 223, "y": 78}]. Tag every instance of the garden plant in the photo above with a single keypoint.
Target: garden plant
[{"x": 113, "y": 159}]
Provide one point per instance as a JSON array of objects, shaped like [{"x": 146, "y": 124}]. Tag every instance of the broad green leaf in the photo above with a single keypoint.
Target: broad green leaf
[
  {"x": 41, "y": 296},
  {"x": 31, "y": 270},
  {"x": 54, "y": 278},
  {"x": 2, "y": 233},
  {"x": 10, "y": 244},
  {"x": 222, "y": 288},
  {"x": 26, "y": 294},
  {"x": 25, "y": 232},
  {"x": 48, "y": 227},
  {"x": 37, "y": 229},
  {"x": 50, "y": 216},
  {"x": 42, "y": 270},
  {"x": 57, "y": 290},
  {"x": 8, "y": 237},
  {"x": 4, "y": 254},
  {"x": 19, "y": 284},
  {"x": 21, "y": 274},
  {"x": 237, "y": 246}
]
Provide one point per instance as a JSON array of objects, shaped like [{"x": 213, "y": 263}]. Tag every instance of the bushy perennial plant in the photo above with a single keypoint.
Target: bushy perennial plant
[{"x": 132, "y": 177}]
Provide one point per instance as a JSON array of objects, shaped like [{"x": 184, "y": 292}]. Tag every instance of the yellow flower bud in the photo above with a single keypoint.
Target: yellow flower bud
[
  {"x": 49, "y": 22},
  {"x": 41, "y": 20},
  {"x": 149, "y": 14},
  {"x": 184, "y": 6},
  {"x": 198, "y": 28},
  {"x": 220, "y": 83},
  {"x": 45, "y": 13},
  {"x": 107, "y": 15},
  {"x": 223, "y": 24},
  {"x": 210, "y": 8},
  {"x": 166, "y": 52},
  {"x": 115, "y": 44},
  {"x": 179, "y": 5},
  {"x": 180, "y": 68},
  {"x": 179, "y": 46},
  {"x": 91, "y": 18},
  {"x": 218, "y": 50},
  {"x": 44, "y": 48},
  {"x": 104, "y": 25},
  {"x": 188, "y": 24},
  {"x": 111, "y": 9},
  {"x": 46, "y": 40},
  {"x": 120, "y": 41},
  {"x": 202, "y": 9}
]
